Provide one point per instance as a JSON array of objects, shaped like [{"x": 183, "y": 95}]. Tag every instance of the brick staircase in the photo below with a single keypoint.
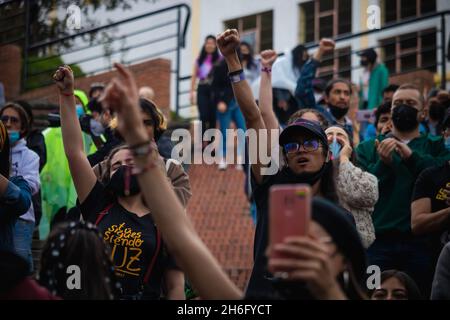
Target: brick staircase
[{"x": 219, "y": 211}]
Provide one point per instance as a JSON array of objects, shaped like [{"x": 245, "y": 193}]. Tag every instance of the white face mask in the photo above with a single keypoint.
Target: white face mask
[
  {"x": 97, "y": 128},
  {"x": 317, "y": 97}
]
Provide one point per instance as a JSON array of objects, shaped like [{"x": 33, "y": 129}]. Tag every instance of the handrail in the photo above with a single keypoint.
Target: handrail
[
  {"x": 385, "y": 27},
  {"x": 113, "y": 24}
]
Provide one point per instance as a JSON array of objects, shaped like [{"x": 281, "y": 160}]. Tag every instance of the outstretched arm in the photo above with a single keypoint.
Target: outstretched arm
[
  {"x": 82, "y": 174},
  {"x": 227, "y": 43},
  {"x": 268, "y": 57},
  {"x": 304, "y": 92},
  {"x": 190, "y": 253}
]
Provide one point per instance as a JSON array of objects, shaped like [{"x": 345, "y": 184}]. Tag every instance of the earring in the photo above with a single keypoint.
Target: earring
[{"x": 346, "y": 277}]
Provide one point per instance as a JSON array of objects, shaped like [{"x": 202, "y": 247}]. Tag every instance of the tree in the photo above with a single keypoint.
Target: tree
[{"x": 47, "y": 20}]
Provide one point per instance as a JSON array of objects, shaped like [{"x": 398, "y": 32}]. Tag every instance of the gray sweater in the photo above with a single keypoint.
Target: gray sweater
[{"x": 441, "y": 282}]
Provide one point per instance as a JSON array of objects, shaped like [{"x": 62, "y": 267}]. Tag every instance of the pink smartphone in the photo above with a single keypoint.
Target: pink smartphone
[{"x": 289, "y": 212}]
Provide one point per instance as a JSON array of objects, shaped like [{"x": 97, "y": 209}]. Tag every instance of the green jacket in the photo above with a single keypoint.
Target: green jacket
[
  {"x": 379, "y": 79},
  {"x": 57, "y": 188},
  {"x": 396, "y": 181}
]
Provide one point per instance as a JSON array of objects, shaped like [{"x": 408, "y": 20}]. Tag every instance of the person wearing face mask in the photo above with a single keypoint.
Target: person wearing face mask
[
  {"x": 329, "y": 263},
  {"x": 251, "y": 66},
  {"x": 141, "y": 260},
  {"x": 15, "y": 194},
  {"x": 58, "y": 192},
  {"x": 437, "y": 104},
  {"x": 337, "y": 99},
  {"x": 25, "y": 163},
  {"x": 337, "y": 92},
  {"x": 357, "y": 189},
  {"x": 306, "y": 157},
  {"x": 374, "y": 79},
  {"x": 397, "y": 159}
]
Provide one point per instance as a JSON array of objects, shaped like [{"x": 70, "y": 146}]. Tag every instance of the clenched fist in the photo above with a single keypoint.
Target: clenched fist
[
  {"x": 64, "y": 80},
  {"x": 227, "y": 42},
  {"x": 268, "y": 58}
]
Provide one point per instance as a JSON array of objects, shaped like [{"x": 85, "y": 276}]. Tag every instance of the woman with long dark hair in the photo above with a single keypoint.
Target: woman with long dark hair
[
  {"x": 78, "y": 244},
  {"x": 250, "y": 65},
  {"x": 15, "y": 194},
  {"x": 141, "y": 260},
  {"x": 209, "y": 56},
  {"x": 25, "y": 163},
  {"x": 396, "y": 285}
]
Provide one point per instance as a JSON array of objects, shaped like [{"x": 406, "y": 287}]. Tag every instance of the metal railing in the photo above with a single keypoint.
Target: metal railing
[
  {"x": 440, "y": 64},
  {"x": 154, "y": 39}
]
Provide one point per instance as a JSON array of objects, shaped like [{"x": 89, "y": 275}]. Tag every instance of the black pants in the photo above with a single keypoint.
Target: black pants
[
  {"x": 206, "y": 107},
  {"x": 405, "y": 253}
]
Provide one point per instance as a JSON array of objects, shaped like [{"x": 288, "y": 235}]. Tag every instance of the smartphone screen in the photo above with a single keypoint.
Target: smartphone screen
[{"x": 289, "y": 212}]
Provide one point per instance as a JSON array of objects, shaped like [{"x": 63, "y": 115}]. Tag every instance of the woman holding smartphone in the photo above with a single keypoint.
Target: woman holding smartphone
[{"x": 321, "y": 258}]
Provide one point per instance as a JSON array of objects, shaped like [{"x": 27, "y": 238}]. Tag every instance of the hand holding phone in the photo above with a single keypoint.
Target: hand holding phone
[{"x": 289, "y": 213}]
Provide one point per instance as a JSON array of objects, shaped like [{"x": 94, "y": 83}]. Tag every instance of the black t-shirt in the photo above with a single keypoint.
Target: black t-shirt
[
  {"x": 431, "y": 184},
  {"x": 133, "y": 242},
  {"x": 261, "y": 280},
  {"x": 262, "y": 283}
]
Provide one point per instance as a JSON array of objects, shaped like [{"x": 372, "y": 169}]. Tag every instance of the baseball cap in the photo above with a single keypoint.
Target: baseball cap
[{"x": 303, "y": 125}]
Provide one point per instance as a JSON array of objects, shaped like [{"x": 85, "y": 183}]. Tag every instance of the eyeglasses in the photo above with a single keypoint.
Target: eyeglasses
[
  {"x": 308, "y": 146},
  {"x": 148, "y": 122},
  {"x": 13, "y": 119}
]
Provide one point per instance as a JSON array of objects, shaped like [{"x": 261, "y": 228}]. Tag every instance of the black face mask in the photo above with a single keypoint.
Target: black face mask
[
  {"x": 437, "y": 112},
  {"x": 404, "y": 118},
  {"x": 123, "y": 183},
  {"x": 364, "y": 63},
  {"x": 309, "y": 178},
  {"x": 337, "y": 112}
]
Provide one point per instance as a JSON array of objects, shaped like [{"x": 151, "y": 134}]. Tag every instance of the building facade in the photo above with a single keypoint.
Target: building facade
[{"x": 283, "y": 24}]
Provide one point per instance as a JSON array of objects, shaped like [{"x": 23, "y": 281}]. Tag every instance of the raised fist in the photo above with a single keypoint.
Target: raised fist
[
  {"x": 228, "y": 41},
  {"x": 268, "y": 57}
]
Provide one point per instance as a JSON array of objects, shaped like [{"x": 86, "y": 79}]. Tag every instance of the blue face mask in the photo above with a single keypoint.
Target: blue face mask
[
  {"x": 14, "y": 136},
  {"x": 335, "y": 149},
  {"x": 80, "y": 110},
  {"x": 447, "y": 143}
]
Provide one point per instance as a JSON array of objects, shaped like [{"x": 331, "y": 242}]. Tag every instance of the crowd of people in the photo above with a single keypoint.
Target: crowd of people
[{"x": 116, "y": 201}]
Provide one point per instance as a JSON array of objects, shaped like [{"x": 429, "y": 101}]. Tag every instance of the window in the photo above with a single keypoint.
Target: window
[
  {"x": 411, "y": 51},
  {"x": 324, "y": 18},
  {"x": 396, "y": 10},
  {"x": 255, "y": 29},
  {"x": 336, "y": 64}
]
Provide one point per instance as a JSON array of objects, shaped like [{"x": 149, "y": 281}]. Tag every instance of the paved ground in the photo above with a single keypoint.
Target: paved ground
[{"x": 220, "y": 213}]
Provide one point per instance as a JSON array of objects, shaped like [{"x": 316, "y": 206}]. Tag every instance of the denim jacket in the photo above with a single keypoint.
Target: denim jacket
[
  {"x": 304, "y": 94},
  {"x": 13, "y": 203}
]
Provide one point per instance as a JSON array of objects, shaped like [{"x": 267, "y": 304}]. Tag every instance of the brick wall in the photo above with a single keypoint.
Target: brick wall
[
  {"x": 10, "y": 70},
  {"x": 424, "y": 79},
  {"x": 154, "y": 73}
]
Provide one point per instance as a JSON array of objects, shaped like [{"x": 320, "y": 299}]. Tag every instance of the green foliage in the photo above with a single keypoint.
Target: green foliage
[{"x": 40, "y": 71}]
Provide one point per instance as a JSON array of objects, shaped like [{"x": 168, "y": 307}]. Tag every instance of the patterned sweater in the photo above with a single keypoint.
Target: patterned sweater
[{"x": 358, "y": 193}]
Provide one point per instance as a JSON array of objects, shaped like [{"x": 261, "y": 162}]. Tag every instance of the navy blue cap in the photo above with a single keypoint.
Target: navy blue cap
[{"x": 303, "y": 125}]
